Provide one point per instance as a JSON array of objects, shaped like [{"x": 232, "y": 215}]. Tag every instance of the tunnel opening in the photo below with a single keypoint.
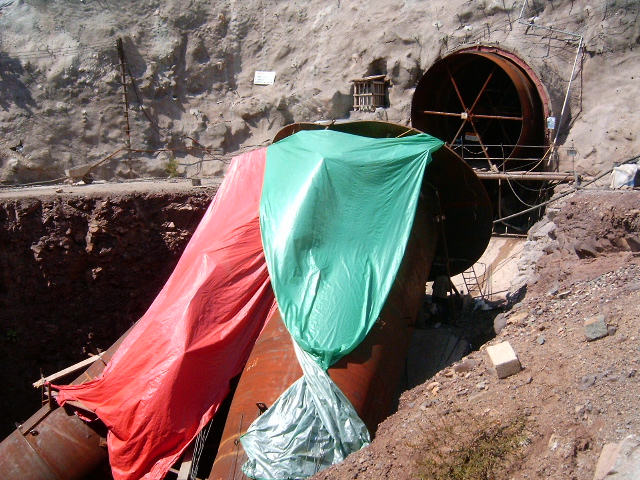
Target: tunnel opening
[{"x": 491, "y": 109}]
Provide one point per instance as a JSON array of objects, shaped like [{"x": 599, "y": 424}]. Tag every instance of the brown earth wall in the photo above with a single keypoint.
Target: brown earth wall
[{"x": 75, "y": 273}]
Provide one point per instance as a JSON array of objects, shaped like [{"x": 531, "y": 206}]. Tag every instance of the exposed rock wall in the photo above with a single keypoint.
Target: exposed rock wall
[
  {"x": 193, "y": 65},
  {"x": 75, "y": 273}
]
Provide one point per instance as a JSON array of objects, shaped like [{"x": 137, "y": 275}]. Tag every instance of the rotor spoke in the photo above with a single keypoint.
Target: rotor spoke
[
  {"x": 448, "y": 114},
  {"x": 455, "y": 86},
  {"x": 492, "y": 167},
  {"x": 464, "y": 122},
  {"x": 484, "y": 87},
  {"x": 497, "y": 117}
]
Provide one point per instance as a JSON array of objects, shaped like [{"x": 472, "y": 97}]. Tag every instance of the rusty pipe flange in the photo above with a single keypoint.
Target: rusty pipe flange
[
  {"x": 484, "y": 105},
  {"x": 366, "y": 128},
  {"x": 524, "y": 66}
]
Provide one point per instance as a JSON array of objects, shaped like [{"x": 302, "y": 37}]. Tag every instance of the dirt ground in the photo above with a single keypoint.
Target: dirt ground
[{"x": 572, "y": 396}]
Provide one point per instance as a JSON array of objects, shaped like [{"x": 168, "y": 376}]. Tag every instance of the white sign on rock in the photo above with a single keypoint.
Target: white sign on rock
[{"x": 264, "y": 78}]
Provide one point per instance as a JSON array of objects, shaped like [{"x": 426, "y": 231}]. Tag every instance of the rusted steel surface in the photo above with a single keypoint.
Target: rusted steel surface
[
  {"x": 486, "y": 94},
  {"x": 529, "y": 71},
  {"x": 60, "y": 447},
  {"x": 272, "y": 367},
  {"x": 373, "y": 129},
  {"x": 370, "y": 375},
  {"x": 55, "y": 444},
  {"x": 466, "y": 211}
]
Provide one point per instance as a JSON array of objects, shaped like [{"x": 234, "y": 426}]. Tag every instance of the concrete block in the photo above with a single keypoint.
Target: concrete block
[
  {"x": 595, "y": 328},
  {"x": 504, "y": 359}
]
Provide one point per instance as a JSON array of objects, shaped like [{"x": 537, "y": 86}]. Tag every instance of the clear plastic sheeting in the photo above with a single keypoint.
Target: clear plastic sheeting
[{"x": 310, "y": 427}]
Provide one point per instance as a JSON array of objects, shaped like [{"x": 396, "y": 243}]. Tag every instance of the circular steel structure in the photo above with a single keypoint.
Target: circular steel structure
[{"x": 487, "y": 105}]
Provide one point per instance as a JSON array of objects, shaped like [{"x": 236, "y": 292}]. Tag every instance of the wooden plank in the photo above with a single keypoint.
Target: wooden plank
[
  {"x": 73, "y": 368},
  {"x": 187, "y": 462}
]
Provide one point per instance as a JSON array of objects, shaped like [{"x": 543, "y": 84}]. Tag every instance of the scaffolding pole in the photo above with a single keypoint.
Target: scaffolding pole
[{"x": 125, "y": 100}]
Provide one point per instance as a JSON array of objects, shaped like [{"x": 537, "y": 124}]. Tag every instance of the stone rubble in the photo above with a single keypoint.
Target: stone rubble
[
  {"x": 595, "y": 328},
  {"x": 576, "y": 395}
]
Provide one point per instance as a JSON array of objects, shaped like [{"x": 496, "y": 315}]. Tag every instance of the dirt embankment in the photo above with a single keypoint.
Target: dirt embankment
[
  {"x": 572, "y": 397},
  {"x": 75, "y": 273}
]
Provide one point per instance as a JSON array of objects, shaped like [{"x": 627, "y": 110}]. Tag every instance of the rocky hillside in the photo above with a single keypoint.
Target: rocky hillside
[{"x": 190, "y": 68}]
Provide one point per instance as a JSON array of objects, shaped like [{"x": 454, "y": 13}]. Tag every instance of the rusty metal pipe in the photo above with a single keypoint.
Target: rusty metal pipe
[
  {"x": 528, "y": 176},
  {"x": 55, "y": 444},
  {"x": 448, "y": 114},
  {"x": 498, "y": 89},
  {"x": 369, "y": 376},
  {"x": 495, "y": 117},
  {"x": 476, "y": 115}
]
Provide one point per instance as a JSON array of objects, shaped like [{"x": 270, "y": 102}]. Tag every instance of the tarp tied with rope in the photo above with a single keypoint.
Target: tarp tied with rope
[
  {"x": 325, "y": 224},
  {"x": 173, "y": 370}
]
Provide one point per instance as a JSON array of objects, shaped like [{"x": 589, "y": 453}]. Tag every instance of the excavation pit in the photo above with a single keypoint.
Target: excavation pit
[{"x": 79, "y": 265}]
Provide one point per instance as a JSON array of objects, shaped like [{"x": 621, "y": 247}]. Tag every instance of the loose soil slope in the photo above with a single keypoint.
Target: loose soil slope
[{"x": 571, "y": 398}]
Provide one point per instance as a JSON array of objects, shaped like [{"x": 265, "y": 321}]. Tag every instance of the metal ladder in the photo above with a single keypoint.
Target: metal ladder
[{"x": 478, "y": 283}]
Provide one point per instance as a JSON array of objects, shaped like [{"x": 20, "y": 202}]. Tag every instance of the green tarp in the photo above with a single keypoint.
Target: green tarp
[{"x": 336, "y": 212}]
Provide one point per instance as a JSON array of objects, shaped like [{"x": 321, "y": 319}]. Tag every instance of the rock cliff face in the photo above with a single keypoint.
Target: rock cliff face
[
  {"x": 190, "y": 69},
  {"x": 75, "y": 273}
]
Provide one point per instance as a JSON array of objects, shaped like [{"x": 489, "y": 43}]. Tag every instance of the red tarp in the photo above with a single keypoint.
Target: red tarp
[{"x": 170, "y": 375}]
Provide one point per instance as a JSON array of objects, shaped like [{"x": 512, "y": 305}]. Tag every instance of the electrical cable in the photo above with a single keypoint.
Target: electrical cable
[
  {"x": 516, "y": 195},
  {"x": 551, "y": 186}
]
